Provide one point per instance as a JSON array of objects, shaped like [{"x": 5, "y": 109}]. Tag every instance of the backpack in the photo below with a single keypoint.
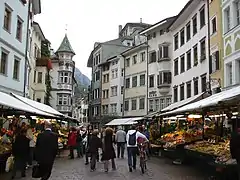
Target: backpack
[{"x": 132, "y": 139}]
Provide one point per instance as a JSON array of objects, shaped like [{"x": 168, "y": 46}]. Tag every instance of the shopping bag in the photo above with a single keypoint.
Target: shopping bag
[
  {"x": 36, "y": 171},
  {"x": 9, "y": 164}
]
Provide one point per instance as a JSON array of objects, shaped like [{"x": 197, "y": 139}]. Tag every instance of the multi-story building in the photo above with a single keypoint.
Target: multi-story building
[
  {"x": 63, "y": 81},
  {"x": 190, "y": 45},
  {"x": 216, "y": 46},
  {"x": 13, "y": 39},
  {"x": 80, "y": 110},
  {"x": 231, "y": 39},
  {"x": 159, "y": 65}
]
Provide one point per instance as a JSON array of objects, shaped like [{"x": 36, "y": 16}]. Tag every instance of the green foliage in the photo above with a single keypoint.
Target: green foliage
[
  {"x": 45, "y": 52},
  {"x": 48, "y": 89}
]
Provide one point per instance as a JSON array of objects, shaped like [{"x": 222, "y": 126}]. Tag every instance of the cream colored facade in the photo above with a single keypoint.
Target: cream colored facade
[
  {"x": 216, "y": 45},
  {"x": 105, "y": 88}
]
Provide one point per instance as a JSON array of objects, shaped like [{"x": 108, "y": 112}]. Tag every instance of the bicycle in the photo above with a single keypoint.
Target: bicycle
[{"x": 143, "y": 157}]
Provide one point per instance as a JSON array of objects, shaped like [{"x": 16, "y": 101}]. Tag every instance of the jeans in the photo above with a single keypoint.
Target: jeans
[
  {"x": 19, "y": 164},
  {"x": 132, "y": 156},
  {"x": 93, "y": 160},
  {"x": 120, "y": 149}
]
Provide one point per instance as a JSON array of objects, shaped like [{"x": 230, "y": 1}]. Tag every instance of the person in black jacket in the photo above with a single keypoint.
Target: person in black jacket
[
  {"x": 46, "y": 151},
  {"x": 79, "y": 144},
  {"x": 20, "y": 151},
  {"x": 235, "y": 148}
]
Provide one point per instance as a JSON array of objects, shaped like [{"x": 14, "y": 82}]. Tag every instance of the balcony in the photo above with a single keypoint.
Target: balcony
[
  {"x": 65, "y": 87},
  {"x": 161, "y": 59},
  {"x": 164, "y": 88},
  {"x": 64, "y": 108},
  {"x": 66, "y": 68}
]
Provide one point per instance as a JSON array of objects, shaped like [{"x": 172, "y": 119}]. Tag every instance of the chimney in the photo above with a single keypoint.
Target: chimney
[
  {"x": 119, "y": 30},
  {"x": 140, "y": 20}
]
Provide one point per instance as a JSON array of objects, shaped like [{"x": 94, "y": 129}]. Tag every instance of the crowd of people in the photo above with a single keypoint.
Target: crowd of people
[{"x": 86, "y": 142}]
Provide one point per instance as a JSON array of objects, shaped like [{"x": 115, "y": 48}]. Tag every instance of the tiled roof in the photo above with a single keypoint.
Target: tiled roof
[{"x": 65, "y": 46}]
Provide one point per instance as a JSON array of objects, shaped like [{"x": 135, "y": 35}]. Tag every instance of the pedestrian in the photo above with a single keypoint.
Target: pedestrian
[
  {"x": 72, "y": 142},
  {"x": 30, "y": 136},
  {"x": 88, "y": 138},
  {"x": 145, "y": 131},
  {"x": 235, "y": 149},
  {"x": 108, "y": 149},
  {"x": 20, "y": 151},
  {"x": 132, "y": 148},
  {"x": 79, "y": 144},
  {"x": 94, "y": 145},
  {"x": 46, "y": 151},
  {"x": 120, "y": 139}
]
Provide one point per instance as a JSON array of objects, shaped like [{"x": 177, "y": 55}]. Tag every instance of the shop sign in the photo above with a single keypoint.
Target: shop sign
[{"x": 215, "y": 83}]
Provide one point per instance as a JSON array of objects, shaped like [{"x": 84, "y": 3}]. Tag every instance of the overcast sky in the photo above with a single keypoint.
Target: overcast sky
[{"x": 90, "y": 21}]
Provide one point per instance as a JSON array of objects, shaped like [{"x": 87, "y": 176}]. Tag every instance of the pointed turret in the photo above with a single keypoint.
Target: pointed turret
[{"x": 65, "y": 46}]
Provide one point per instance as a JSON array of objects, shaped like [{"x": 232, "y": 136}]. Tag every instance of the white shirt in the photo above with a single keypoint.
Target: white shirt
[{"x": 138, "y": 134}]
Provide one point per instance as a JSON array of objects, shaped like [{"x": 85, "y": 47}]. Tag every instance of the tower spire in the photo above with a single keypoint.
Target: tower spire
[{"x": 66, "y": 28}]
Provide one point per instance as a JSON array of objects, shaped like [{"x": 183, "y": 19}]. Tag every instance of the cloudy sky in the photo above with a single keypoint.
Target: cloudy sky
[{"x": 90, "y": 21}]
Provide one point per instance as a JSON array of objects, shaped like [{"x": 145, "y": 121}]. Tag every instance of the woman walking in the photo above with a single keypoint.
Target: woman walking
[
  {"x": 79, "y": 144},
  {"x": 72, "y": 142},
  {"x": 108, "y": 149}
]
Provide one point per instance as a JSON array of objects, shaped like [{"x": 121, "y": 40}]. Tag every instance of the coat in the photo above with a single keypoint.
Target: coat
[
  {"x": 94, "y": 144},
  {"x": 108, "y": 149},
  {"x": 72, "y": 140},
  {"x": 21, "y": 149},
  {"x": 46, "y": 147},
  {"x": 235, "y": 146}
]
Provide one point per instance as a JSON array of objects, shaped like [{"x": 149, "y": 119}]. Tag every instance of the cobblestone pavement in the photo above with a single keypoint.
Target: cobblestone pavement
[{"x": 158, "y": 169}]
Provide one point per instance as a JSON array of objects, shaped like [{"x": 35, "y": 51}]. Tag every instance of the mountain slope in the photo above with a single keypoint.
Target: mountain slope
[{"x": 80, "y": 77}]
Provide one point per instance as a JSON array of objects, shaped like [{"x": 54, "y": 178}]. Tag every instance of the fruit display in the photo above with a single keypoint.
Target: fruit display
[
  {"x": 5, "y": 148},
  {"x": 181, "y": 137}
]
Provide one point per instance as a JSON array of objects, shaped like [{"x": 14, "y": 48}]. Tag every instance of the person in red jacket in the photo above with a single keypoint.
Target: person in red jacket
[{"x": 72, "y": 141}]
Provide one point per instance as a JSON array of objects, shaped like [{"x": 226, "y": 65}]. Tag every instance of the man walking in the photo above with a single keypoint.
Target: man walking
[
  {"x": 132, "y": 148},
  {"x": 46, "y": 151},
  {"x": 120, "y": 139}
]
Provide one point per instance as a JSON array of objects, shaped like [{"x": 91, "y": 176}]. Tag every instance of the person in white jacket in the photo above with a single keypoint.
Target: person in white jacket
[
  {"x": 32, "y": 144},
  {"x": 132, "y": 147}
]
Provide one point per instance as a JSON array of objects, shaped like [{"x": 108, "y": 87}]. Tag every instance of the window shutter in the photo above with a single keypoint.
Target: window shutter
[
  {"x": 217, "y": 60},
  {"x": 210, "y": 64}
]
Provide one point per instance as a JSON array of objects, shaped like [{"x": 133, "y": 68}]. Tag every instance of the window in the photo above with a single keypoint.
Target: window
[
  {"x": 175, "y": 92},
  {"x": 176, "y": 42},
  {"x": 134, "y": 59},
  {"x": 126, "y": 105},
  {"x": 203, "y": 49},
  {"x": 195, "y": 55},
  {"x": 116, "y": 73},
  {"x": 127, "y": 81},
  {"x": 16, "y": 68},
  {"x": 188, "y": 31},
  {"x": 105, "y": 94},
  {"x": 105, "y": 78},
  {"x": 113, "y": 108},
  {"x": 127, "y": 62},
  {"x": 154, "y": 35},
  {"x": 4, "y": 61},
  {"x": 40, "y": 76},
  {"x": 134, "y": 104},
  {"x": 19, "y": 29},
  {"x": 64, "y": 99},
  {"x": 134, "y": 81},
  {"x": 227, "y": 19},
  {"x": 157, "y": 104},
  {"x": 122, "y": 72},
  {"x": 121, "y": 107},
  {"x": 165, "y": 78},
  {"x": 195, "y": 87},
  {"x": 189, "y": 89},
  {"x": 34, "y": 76},
  {"x": 163, "y": 52},
  {"x": 162, "y": 104},
  {"x": 142, "y": 80},
  {"x": 105, "y": 67},
  {"x": 182, "y": 92},
  {"x": 214, "y": 25},
  {"x": 182, "y": 36},
  {"x": 105, "y": 109},
  {"x": 151, "y": 81},
  {"x": 39, "y": 100},
  {"x": 97, "y": 76},
  {"x": 237, "y": 5},
  {"x": 202, "y": 17},
  {"x": 168, "y": 101},
  {"x": 122, "y": 89},
  {"x": 153, "y": 57},
  {"x": 143, "y": 56},
  {"x": 142, "y": 103},
  {"x": 161, "y": 32},
  {"x": 194, "y": 20},
  {"x": 113, "y": 74},
  {"x": 65, "y": 78},
  {"x": 114, "y": 91},
  {"x": 189, "y": 60},
  {"x": 214, "y": 62},
  {"x": 229, "y": 72},
  {"x": 182, "y": 61},
  {"x": 151, "y": 105},
  {"x": 204, "y": 83},
  {"x": 176, "y": 67},
  {"x": 7, "y": 19}
]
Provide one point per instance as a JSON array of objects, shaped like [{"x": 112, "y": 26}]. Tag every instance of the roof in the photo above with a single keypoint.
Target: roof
[
  {"x": 38, "y": 29},
  {"x": 160, "y": 23},
  {"x": 65, "y": 46},
  {"x": 134, "y": 48},
  {"x": 144, "y": 25}
]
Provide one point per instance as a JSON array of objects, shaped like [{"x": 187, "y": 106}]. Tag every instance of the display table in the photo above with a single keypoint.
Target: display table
[{"x": 155, "y": 149}]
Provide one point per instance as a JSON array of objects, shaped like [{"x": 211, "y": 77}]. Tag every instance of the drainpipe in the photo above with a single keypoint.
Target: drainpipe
[
  {"x": 26, "y": 51},
  {"x": 209, "y": 51}
]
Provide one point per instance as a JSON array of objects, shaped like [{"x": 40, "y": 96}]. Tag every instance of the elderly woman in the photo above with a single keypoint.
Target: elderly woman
[{"x": 108, "y": 149}]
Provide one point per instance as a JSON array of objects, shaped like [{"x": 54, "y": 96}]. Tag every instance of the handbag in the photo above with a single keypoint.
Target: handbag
[
  {"x": 9, "y": 163},
  {"x": 36, "y": 171}
]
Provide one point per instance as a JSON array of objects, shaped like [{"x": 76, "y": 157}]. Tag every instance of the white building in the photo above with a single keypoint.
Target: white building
[
  {"x": 231, "y": 40},
  {"x": 190, "y": 49},
  {"x": 13, "y": 38},
  {"x": 80, "y": 111},
  {"x": 63, "y": 81},
  {"x": 159, "y": 65}
]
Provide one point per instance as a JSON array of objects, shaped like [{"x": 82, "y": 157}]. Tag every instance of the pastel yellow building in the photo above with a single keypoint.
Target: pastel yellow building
[{"x": 216, "y": 45}]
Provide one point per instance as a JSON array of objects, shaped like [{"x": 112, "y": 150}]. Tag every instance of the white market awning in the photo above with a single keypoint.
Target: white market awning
[
  {"x": 124, "y": 121},
  {"x": 185, "y": 102},
  {"x": 37, "y": 105},
  {"x": 209, "y": 101},
  {"x": 12, "y": 102}
]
